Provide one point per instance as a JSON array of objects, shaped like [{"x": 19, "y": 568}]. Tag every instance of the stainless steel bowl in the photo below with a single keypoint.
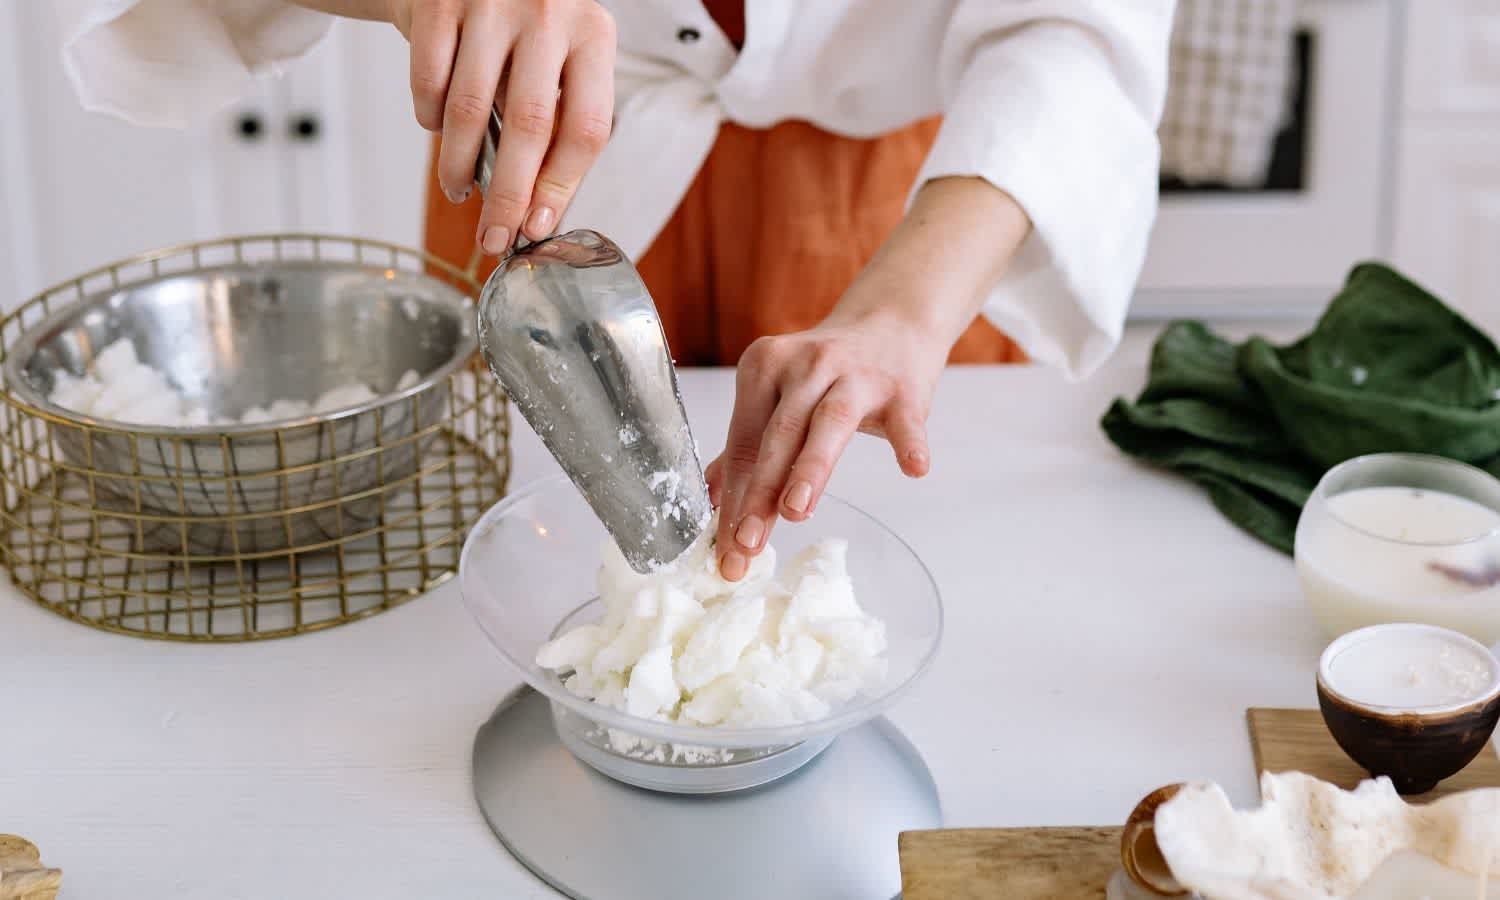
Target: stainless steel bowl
[{"x": 242, "y": 335}]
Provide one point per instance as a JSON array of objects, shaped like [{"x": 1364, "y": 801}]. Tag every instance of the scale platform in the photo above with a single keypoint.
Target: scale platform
[{"x": 827, "y": 831}]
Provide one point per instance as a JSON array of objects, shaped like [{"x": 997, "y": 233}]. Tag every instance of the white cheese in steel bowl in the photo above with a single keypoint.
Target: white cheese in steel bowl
[{"x": 250, "y": 407}]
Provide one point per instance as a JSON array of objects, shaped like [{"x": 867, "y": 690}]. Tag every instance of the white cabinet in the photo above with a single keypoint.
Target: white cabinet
[
  {"x": 1447, "y": 228},
  {"x": 78, "y": 190},
  {"x": 1404, "y": 166},
  {"x": 1454, "y": 54},
  {"x": 366, "y": 171},
  {"x": 1448, "y": 225}
]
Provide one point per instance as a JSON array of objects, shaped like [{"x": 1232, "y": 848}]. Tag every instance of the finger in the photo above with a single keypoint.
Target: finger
[
  {"x": 529, "y": 110},
  {"x": 585, "y": 114},
  {"x": 434, "y": 41},
  {"x": 713, "y": 476},
  {"x": 785, "y": 435},
  {"x": 833, "y": 424},
  {"x": 755, "y": 397},
  {"x": 482, "y": 50},
  {"x": 907, "y": 432}
]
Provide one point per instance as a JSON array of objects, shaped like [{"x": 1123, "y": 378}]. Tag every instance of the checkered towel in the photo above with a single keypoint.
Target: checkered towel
[{"x": 1228, "y": 89}]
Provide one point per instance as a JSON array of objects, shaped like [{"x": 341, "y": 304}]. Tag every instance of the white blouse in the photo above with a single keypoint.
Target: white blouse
[{"x": 1054, "y": 101}]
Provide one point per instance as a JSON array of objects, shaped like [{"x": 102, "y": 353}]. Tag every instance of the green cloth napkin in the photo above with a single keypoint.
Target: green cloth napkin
[{"x": 1387, "y": 368}]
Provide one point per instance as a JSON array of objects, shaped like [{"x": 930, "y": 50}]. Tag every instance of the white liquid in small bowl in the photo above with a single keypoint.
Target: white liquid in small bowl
[{"x": 1409, "y": 668}]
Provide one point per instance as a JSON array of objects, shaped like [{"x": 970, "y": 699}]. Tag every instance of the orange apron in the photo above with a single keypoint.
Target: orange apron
[{"x": 772, "y": 231}]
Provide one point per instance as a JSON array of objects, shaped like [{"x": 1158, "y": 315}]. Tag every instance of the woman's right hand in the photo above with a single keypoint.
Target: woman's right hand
[{"x": 514, "y": 55}]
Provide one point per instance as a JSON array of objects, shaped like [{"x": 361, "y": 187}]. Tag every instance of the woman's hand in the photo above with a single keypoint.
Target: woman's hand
[
  {"x": 799, "y": 398},
  {"x": 547, "y": 65},
  {"x": 871, "y": 366}
]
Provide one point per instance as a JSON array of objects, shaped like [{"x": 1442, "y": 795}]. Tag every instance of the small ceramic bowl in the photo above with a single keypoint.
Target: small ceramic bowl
[{"x": 1415, "y": 744}]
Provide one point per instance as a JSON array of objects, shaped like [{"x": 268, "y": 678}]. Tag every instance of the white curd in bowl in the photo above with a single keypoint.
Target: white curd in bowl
[{"x": 683, "y": 645}]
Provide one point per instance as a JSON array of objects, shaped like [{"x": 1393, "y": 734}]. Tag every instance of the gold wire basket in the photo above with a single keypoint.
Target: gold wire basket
[{"x": 243, "y": 533}]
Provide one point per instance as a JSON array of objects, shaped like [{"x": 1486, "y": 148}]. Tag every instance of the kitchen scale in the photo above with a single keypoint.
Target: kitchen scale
[
  {"x": 827, "y": 830},
  {"x": 606, "y": 806}
]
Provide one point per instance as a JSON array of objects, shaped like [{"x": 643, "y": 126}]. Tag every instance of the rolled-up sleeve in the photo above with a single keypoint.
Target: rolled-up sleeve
[
  {"x": 169, "y": 62},
  {"x": 1057, "y": 103}
]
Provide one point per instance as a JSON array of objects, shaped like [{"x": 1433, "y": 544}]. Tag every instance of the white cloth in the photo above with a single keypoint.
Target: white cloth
[{"x": 1054, "y": 101}]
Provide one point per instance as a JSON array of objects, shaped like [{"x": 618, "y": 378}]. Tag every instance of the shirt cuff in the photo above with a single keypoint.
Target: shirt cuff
[
  {"x": 1044, "y": 117},
  {"x": 170, "y": 62}
]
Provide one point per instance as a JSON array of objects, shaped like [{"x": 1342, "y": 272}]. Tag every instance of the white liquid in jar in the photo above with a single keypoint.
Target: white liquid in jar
[
  {"x": 1410, "y": 670},
  {"x": 1410, "y": 556},
  {"x": 1418, "y": 516}
]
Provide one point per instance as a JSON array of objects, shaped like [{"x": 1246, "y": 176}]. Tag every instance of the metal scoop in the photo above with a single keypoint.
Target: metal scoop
[{"x": 568, "y": 328}]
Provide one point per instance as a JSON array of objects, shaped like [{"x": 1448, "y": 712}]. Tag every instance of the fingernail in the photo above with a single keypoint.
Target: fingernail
[
  {"x": 751, "y": 530},
  {"x": 452, "y": 197},
  {"x": 798, "y": 496},
  {"x": 540, "y": 221},
  {"x": 732, "y": 567},
  {"x": 496, "y": 240}
]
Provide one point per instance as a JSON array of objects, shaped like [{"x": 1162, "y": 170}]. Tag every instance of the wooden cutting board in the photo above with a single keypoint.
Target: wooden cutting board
[
  {"x": 1069, "y": 863},
  {"x": 1296, "y": 740},
  {"x": 1009, "y": 863}
]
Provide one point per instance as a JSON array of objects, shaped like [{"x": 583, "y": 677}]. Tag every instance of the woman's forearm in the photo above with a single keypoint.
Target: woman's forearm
[
  {"x": 939, "y": 264},
  {"x": 871, "y": 366}
]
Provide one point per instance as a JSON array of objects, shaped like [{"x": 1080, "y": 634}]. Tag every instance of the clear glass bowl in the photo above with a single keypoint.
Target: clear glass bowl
[
  {"x": 1400, "y": 537},
  {"x": 528, "y": 573}
]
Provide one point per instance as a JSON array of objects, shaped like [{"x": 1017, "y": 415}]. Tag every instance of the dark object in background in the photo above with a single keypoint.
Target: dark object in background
[
  {"x": 304, "y": 127},
  {"x": 1289, "y": 156},
  {"x": 249, "y": 126}
]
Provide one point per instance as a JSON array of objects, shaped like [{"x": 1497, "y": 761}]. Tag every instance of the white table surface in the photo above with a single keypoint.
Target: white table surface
[{"x": 1106, "y": 631}]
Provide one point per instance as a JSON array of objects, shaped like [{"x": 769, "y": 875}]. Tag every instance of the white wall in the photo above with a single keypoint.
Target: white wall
[{"x": 79, "y": 190}]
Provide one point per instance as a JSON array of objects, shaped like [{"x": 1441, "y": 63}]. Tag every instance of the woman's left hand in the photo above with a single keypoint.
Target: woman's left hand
[
  {"x": 871, "y": 366},
  {"x": 799, "y": 398}
]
